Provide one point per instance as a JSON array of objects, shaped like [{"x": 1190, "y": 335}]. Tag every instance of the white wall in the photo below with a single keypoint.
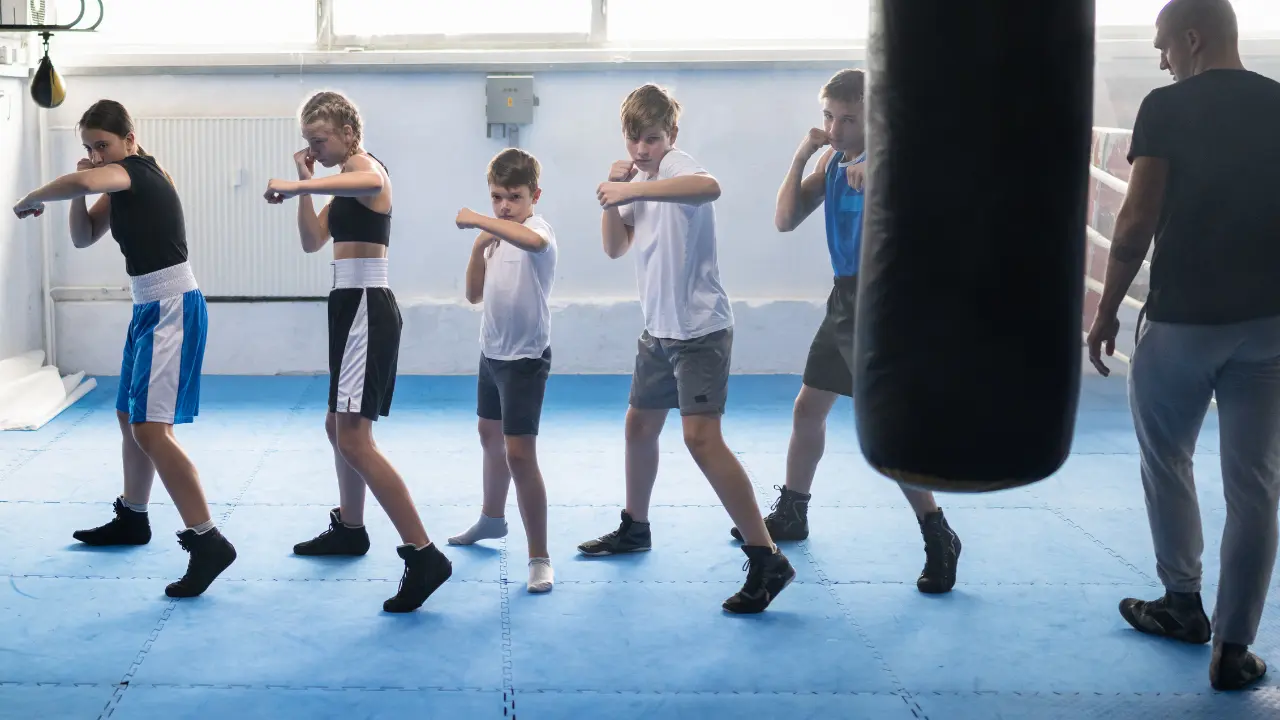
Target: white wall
[
  {"x": 430, "y": 130},
  {"x": 20, "y": 269}
]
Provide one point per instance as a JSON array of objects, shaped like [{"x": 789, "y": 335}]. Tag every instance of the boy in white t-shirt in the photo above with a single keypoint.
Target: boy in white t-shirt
[
  {"x": 512, "y": 266},
  {"x": 660, "y": 202}
]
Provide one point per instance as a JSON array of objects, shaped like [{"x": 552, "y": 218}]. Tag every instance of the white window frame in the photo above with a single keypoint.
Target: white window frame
[
  {"x": 327, "y": 40},
  {"x": 534, "y": 52}
]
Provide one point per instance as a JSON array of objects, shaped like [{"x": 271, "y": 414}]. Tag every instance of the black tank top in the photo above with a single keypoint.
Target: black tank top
[
  {"x": 352, "y": 221},
  {"x": 147, "y": 220}
]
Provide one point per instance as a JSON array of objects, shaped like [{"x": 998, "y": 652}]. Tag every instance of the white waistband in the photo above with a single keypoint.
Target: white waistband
[
  {"x": 360, "y": 273},
  {"x": 162, "y": 284}
]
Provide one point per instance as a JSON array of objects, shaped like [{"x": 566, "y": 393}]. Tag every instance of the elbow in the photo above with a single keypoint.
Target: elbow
[
  {"x": 713, "y": 190},
  {"x": 783, "y": 224},
  {"x": 474, "y": 297}
]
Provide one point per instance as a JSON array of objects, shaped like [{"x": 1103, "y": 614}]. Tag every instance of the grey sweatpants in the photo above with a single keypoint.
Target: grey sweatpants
[{"x": 1176, "y": 370}]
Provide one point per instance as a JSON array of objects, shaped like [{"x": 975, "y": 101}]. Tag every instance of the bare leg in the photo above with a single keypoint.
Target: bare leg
[
  {"x": 531, "y": 492},
  {"x": 497, "y": 474},
  {"x": 139, "y": 471},
  {"x": 808, "y": 437},
  {"x": 350, "y": 484},
  {"x": 355, "y": 442},
  {"x": 643, "y": 429},
  {"x": 922, "y": 501},
  {"x": 176, "y": 471},
  {"x": 703, "y": 437}
]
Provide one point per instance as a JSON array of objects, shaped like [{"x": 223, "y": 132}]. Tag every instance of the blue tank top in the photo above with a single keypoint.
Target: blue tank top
[{"x": 843, "y": 206}]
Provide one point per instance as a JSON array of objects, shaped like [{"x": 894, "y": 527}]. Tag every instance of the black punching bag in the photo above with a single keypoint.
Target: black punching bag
[
  {"x": 47, "y": 88},
  {"x": 968, "y": 326}
]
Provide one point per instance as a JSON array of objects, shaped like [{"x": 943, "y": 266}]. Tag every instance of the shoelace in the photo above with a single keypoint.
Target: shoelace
[
  {"x": 622, "y": 530},
  {"x": 935, "y": 550},
  {"x": 755, "y": 576},
  {"x": 777, "y": 502}
]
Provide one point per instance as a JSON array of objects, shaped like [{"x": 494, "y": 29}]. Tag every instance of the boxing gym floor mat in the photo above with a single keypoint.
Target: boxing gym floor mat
[{"x": 1030, "y": 631}]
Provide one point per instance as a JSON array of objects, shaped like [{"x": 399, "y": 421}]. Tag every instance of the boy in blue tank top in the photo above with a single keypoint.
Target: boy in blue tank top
[{"x": 837, "y": 184}]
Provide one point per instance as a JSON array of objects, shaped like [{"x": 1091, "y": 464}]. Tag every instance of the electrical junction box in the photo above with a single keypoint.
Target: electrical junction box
[{"x": 510, "y": 99}]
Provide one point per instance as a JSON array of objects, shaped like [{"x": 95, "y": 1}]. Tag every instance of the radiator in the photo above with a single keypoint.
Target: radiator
[{"x": 238, "y": 245}]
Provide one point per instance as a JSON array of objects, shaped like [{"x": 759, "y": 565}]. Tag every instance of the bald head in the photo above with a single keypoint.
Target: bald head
[{"x": 1197, "y": 35}]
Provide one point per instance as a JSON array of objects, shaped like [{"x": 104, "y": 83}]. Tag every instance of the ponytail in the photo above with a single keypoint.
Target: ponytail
[{"x": 145, "y": 154}]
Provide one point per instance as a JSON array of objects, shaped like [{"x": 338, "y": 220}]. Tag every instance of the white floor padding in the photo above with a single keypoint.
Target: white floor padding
[{"x": 32, "y": 394}]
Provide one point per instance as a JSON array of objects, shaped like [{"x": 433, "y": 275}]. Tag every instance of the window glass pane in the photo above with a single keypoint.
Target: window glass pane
[
  {"x": 1140, "y": 13},
  {"x": 1253, "y": 16},
  {"x": 176, "y": 24},
  {"x": 658, "y": 21},
  {"x": 366, "y": 18}
]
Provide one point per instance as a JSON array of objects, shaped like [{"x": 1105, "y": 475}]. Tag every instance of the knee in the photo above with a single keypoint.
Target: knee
[
  {"x": 354, "y": 446},
  {"x": 150, "y": 437},
  {"x": 521, "y": 460},
  {"x": 701, "y": 434},
  {"x": 331, "y": 429},
  {"x": 809, "y": 411},
  {"x": 491, "y": 438},
  {"x": 642, "y": 426}
]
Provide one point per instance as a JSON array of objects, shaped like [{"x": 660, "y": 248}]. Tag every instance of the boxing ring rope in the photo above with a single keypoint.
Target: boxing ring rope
[{"x": 1100, "y": 241}]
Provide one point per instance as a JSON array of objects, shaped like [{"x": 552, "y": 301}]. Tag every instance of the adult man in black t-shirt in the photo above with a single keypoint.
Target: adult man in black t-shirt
[{"x": 1206, "y": 183}]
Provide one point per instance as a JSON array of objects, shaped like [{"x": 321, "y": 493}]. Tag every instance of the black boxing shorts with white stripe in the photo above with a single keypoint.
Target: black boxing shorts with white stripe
[{"x": 364, "y": 338}]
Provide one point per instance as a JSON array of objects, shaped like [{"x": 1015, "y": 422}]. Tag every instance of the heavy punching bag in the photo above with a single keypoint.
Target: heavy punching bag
[{"x": 967, "y": 347}]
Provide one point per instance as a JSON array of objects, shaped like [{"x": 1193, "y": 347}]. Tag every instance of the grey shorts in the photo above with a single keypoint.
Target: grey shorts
[
  {"x": 692, "y": 375},
  {"x": 830, "y": 363}
]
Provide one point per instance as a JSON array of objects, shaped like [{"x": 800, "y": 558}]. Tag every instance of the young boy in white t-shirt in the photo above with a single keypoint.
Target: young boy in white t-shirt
[
  {"x": 660, "y": 202},
  {"x": 512, "y": 266}
]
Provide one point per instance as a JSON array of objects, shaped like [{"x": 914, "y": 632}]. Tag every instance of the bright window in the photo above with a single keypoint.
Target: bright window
[
  {"x": 371, "y": 18},
  {"x": 683, "y": 21},
  {"x": 200, "y": 25},
  {"x": 1133, "y": 13},
  {"x": 1253, "y": 16}
]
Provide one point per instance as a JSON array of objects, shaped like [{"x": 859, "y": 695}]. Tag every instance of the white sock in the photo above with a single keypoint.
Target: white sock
[
  {"x": 486, "y": 528},
  {"x": 541, "y": 576},
  {"x": 138, "y": 508},
  {"x": 203, "y": 527}
]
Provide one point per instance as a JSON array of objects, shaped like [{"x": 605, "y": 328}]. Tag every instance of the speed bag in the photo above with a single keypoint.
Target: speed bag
[
  {"x": 47, "y": 88},
  {"x": 967, "y": 348}
]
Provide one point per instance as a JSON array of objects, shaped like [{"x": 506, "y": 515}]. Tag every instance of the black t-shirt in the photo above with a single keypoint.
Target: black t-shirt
[
  {"x": 1217, "y": 247},
  {"x": 146, "y": 219}
]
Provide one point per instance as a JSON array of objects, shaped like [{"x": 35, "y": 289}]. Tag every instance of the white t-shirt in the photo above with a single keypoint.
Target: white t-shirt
[
  {"x": 517, "y": 288},
  {"x": 675, "y": 249}
]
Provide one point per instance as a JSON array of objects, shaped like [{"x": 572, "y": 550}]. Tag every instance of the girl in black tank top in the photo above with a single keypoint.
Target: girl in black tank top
[
  {"x": 364, "y": 341},
  {"x": 141, "y": 208},
  {"x": 352, "y": 221}
]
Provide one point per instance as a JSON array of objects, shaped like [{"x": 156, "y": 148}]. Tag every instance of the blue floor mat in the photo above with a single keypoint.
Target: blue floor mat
[{"x": 1030, "y": 631}]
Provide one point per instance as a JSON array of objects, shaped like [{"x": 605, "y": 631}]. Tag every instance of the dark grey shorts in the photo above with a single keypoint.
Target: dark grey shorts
[
  {"x": 692, "y": 375},
  {"x": 830, "y": 363}
]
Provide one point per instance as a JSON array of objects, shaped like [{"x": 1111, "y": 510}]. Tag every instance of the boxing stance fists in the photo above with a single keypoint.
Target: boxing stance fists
[
  {"x": 617, "y": 191},
  {"x": 813, "y": 142},
  {"x": 280, "y": 190},
  {"x": 306, "y": 163},
  {"x": 622, "y": 171},
  {"x": 466, "y": 219},
  {"x": 28, "y": 208},
  {"x": 857, "y": 175}
]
